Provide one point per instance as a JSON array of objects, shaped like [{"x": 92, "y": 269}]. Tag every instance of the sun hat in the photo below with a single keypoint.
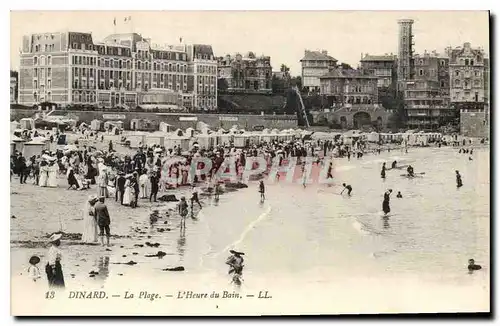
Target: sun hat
[
  {"x": 55, "y": 237},
  {"x": 92, "y": 198},
  {"x": 234, "y": 252},
  {"x": 34, "y": 260}
]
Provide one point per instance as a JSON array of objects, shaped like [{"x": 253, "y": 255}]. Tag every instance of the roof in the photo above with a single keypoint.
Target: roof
[
  {"x": 379, "y": 58},
  {"x": 202, "y": 49},
  {"x": 76, "y": 39},
  {"x": 346, "y": 73},
  {"x": 316, "y": 56}
]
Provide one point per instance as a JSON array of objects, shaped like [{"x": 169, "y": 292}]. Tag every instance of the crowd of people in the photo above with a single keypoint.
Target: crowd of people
[{"x": 154, "y": 170}]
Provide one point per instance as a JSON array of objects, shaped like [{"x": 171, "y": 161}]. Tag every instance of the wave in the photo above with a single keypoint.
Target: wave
[{"x": 249, "y": 228}]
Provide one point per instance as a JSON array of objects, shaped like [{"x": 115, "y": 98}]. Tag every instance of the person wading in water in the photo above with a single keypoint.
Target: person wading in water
[
  {"x": 346, "y": 187},
  {"x": 459, "y": 179},
  {"x": 382, "y": 173},
  {"x": 235, "y": 262},
  {"x": 183, "y": 211},
  {"x": 385, "y": 204}
]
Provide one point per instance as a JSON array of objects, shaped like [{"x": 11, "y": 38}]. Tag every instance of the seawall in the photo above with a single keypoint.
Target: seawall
[{"x": 177, "y": 120}]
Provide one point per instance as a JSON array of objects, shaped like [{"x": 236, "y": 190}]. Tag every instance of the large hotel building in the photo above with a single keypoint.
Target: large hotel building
[{"x": 125, "y": 70}]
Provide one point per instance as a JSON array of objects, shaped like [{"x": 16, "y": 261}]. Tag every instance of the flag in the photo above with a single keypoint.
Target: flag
[{"x": 114, "y": 21}]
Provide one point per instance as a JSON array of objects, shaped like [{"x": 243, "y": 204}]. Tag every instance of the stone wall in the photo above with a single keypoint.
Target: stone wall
[{"x": 177, "y": 120}]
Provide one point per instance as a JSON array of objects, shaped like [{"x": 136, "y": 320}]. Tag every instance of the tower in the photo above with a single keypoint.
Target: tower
[{"x": 405, "y": 52}]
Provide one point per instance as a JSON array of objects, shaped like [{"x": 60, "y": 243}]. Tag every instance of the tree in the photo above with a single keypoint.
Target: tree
[
  {"x": 284, "y": 68},
  {"x": 277, "y": 85},
  {"x": 296, "y": 81},
  {"x": 345, "y": 66}
]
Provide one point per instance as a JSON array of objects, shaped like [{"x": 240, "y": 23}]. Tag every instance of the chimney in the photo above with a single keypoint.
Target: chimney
[
  {"x": 361, "y": 55},
  {"x": 324, "y": 52}
]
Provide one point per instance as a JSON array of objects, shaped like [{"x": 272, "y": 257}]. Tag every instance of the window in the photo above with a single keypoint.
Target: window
[
  {"x": 49, "y": 60},
  {"x": 466, "y": 84},
  {"x": 441, "y": 84},
  {"x": 466, "y": 62},
  {"x": 49, "y": 72},
  {"x": 35, "y": 61},
  {"x": 35, "y": 72},
  {"x": 35, "y": 84},
  {"x": 420, "y": 72},
  {"x": 476, "y": 73},
  {"x": 457, "y": 82},
  {"x": 49, "y": 83},
  {"x": 457, "y": 73},
  {"x": 472, "y": 62},
  {"x": 37, "y": 48}
]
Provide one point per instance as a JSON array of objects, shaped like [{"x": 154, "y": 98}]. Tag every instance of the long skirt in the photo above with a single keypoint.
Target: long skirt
[
  {"x": 385, "y": 207},
  {"x": 55, "y": 275}
]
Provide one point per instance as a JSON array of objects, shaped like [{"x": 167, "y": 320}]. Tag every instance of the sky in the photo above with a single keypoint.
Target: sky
[{"x": 283, "y": 35}]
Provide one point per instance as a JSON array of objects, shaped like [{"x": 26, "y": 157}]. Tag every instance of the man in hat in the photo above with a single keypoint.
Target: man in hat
[
  {"x": 103, "y": 220},
  {"x": 235, "y": 261},
  {"x": 155, "y": 179},
  {"x": 120, "y": 186},
  {"x": 134, "y": 183}
]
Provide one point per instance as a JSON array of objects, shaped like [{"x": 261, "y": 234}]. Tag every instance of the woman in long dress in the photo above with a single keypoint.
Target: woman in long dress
[
  {"x": 52, "y": 174},
  {"x": 144, "y": 184},
  {"x": 53, "y": 269},
  {"x": 42, "y": 182},
  {"x": 127, "y": 195},
  {"x": 103, "y": 183},
  {"x": 72, "y": 181},
  {"x": 89, "y": 234}
]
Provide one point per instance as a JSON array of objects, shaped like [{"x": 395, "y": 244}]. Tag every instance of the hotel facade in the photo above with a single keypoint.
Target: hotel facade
[{"x": 124, "y": 70}]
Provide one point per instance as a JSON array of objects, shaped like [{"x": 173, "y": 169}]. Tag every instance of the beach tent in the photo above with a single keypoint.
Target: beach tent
[
  {"x": 34, "y": 147},
  {"x": 14, "y": 125},
  {"x": 205, "y": 140},
  {"x": 239, "y": 140},
  {"x": 189, "y": 132},
  {"x": 178, "y": 132},
  {"x": 176, "y": 140},
  {"x": 200, "y": 125},
  {"x": 27, "y": 123},
  {"x": 155, "y": 140},
  {"x": 95, "y": 124},
  {"x": 165, "y": 127},
  {"x": 373, "y": 137},
  {"x": 136, "y": 139},
  {"x": 16, "y": 143}
]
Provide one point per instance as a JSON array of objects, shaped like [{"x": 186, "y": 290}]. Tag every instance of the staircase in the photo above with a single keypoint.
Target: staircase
[{"x": 302, "y": 106}]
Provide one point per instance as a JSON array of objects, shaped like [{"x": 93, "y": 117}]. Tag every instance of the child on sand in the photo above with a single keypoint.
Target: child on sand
[{"x": 33, "y": 270}]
